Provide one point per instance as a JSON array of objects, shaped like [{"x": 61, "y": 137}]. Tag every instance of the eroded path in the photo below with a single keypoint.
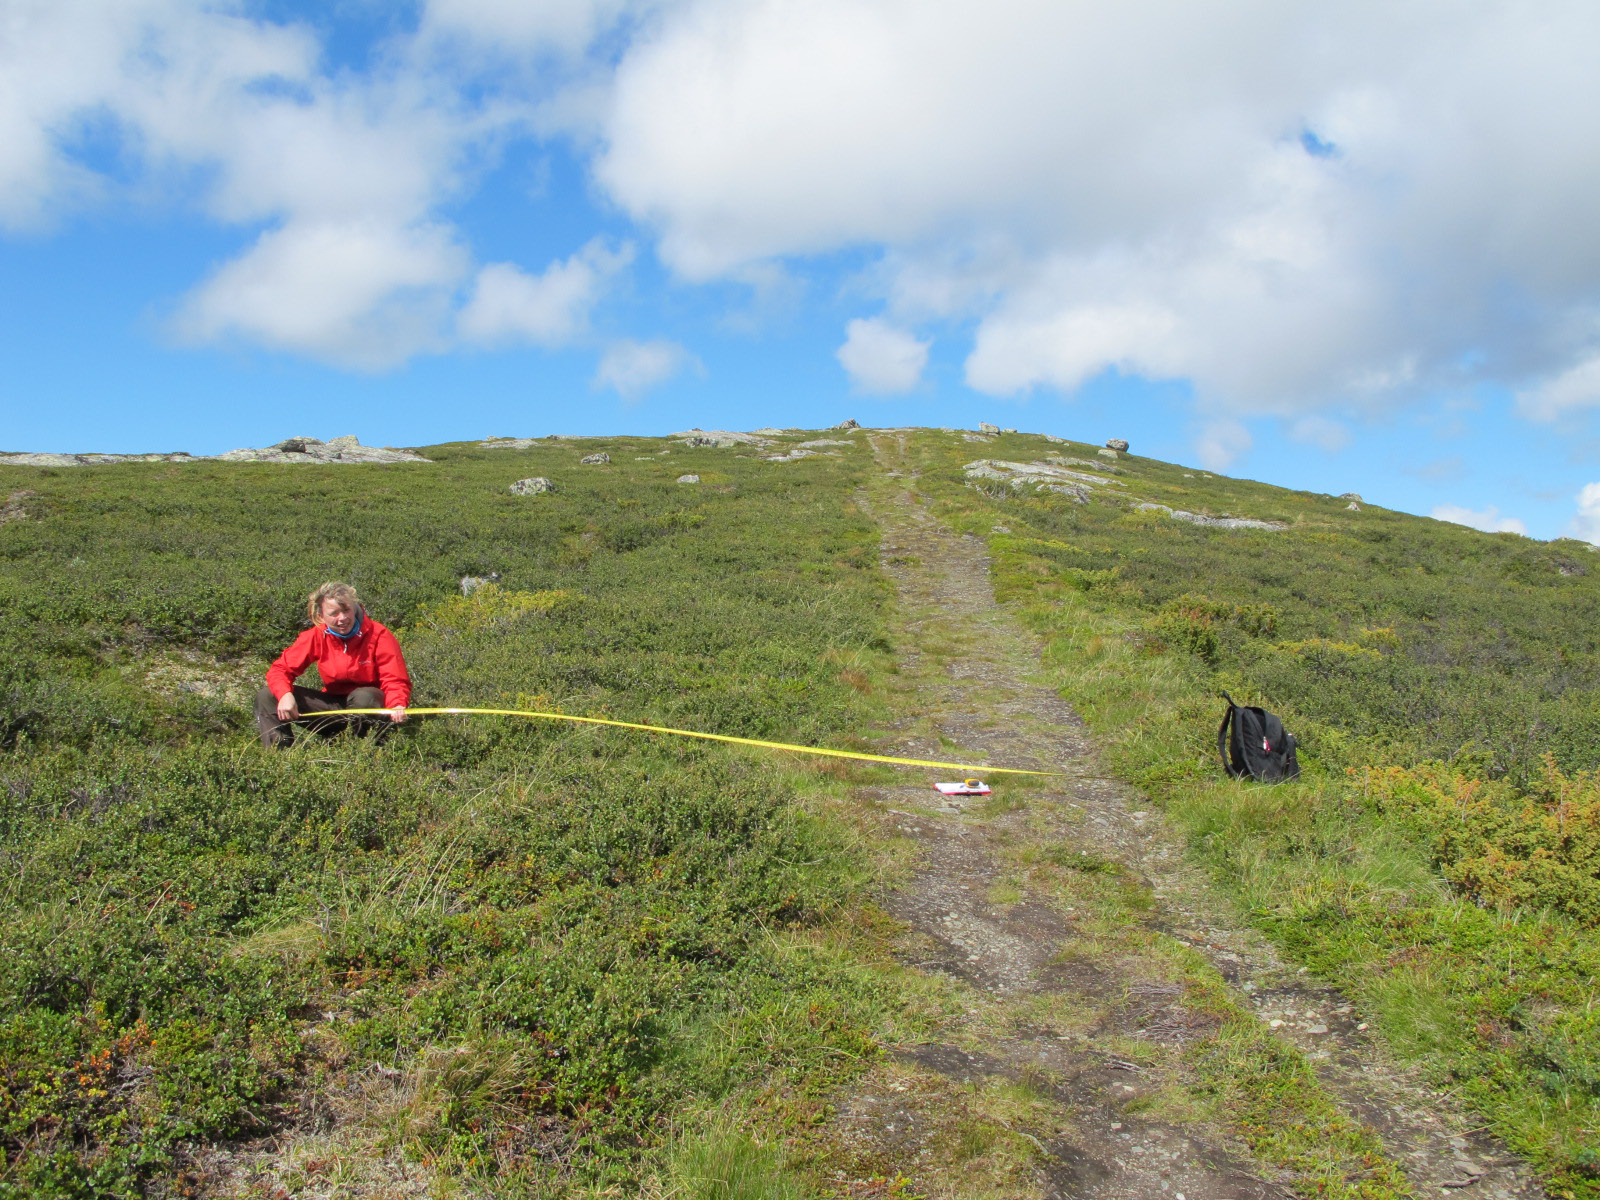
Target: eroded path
[{"x": 1086, "y": 963}]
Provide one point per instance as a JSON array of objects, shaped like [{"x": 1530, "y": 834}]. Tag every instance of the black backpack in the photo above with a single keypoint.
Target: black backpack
[{"x": 1259, "y": 748}]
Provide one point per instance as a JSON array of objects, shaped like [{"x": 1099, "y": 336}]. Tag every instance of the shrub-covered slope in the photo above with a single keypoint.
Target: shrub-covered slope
[
  {"x": 1441, "y": 857},
  {"x": 504, "y": 949}
]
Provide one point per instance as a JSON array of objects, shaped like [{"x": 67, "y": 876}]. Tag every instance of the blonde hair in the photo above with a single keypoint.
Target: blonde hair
[{"x": 332, "y": 590}]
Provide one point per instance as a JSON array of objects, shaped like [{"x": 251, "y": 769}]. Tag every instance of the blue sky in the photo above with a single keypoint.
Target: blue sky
[{"x": 1342, "y": 251}]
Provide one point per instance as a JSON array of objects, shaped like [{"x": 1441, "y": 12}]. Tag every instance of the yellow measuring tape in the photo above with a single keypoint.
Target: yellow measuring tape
[{"x": 710, "y": 737}]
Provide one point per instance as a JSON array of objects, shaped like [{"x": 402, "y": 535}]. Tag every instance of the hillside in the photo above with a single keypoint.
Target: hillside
[{"x": 505, "y": 957}]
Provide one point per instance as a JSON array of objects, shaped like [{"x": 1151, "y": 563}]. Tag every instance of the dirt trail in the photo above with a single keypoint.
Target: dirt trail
[{"x": 1064, "y": 1073}]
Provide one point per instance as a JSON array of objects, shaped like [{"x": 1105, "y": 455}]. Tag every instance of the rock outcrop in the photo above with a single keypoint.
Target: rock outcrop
[
  {"x": 88, "y": 460},
  {"x": 345, "y": 449},
  {"x": 595, "y": 460},
  {"x": 1040, "y": 476},
  {"x": 532, "y": 487},
  {"x": 1178, "y": 514},
  {"x": 985, "y": 427},
  {"x": 720, "y": 439}
]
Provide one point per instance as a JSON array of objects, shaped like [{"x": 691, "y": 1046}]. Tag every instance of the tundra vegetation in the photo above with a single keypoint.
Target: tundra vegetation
[
  {"x": 523, "y": 954},
  {"x": 537, "y": 959},
  {"x": 1440, "y": 859}
]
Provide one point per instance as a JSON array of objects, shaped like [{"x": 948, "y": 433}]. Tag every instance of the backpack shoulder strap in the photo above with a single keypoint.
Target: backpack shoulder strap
[{"x": 1222, "y": 735}]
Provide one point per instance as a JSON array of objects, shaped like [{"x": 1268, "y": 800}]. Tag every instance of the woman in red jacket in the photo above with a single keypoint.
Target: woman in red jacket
[{"x": 359, "y": 661}]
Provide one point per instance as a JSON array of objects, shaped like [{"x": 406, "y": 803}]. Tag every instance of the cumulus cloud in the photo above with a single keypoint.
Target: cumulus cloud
[
  {"x": 1576, "y": 387},
  {"x": 1489, "y": 520},
  {"x": 1586, "y": 521},
  {"x": 1220, "y": 443},
  {"x": 509, "y": 305},
  {"x": 880, "y": 358},
  {"x": 1268, "y": 200},
  {"x": 632, "y": 368},
  {"x": 345, "y": 172},
  {"x": 354, "y": 293},
  {"x": 518, "y": 27}
]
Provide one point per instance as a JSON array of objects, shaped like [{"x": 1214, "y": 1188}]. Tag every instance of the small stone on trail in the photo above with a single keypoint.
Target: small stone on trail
[{"x": 532, "y": 487}]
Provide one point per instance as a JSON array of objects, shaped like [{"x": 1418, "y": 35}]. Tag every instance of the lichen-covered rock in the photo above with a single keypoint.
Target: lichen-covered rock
[
  {"x": 46, "y": 459},
  {"x": 985, "y": 427},
  {"x": 346, "y": 449},
  {"x": 1063, "y": 460},
  {"x": 532, "y": 487},
  {"x": 852, "y": 423},
  {"x": 1106, "y": 452},
  {"x": 1037, "y": 474},
  {"x": 595, "y": 460},
  {"x": 1178, "y": 514},
  {"x": 688, "y": 479},
  {"x": 1118, "y": 444},
  {"x": 1355, "y": 497},
  {"x": 718, "y": 439}
]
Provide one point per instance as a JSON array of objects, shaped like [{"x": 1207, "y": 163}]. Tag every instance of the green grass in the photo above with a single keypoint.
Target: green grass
[
  {"x": 1438, "y": 861},
  {"x": 529, "y": 946}
]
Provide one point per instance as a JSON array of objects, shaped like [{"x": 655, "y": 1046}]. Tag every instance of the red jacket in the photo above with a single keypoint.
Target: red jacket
[{"x": 371, "y": 658}]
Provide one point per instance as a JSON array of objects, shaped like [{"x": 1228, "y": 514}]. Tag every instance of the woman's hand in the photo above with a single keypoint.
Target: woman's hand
[
  {"x": 288, "y": 710},
  {"x": 397, "y": 713}
]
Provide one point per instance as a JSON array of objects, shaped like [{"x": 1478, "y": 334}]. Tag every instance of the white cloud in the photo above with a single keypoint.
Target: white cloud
[
  {"x": 508, "y": 305},
  {"x": 358, "y": 294},
  {"x": 1220, "y": 442},
  {"x": 1576, "y": 387},
  {"x": 237, "y": 116},
  {"x": 1586, "y": 521},
  {"x": 1086, "y": 186},
  {"x": 632, "y": 368},
  {"x": 1125, "y": 186},
  {"x": 880, "y": 358},
  {"x": 1489, "y": 520},
  {"x": 519, "y": 27}
]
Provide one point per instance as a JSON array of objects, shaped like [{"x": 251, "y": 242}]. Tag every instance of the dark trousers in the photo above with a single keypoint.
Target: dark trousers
[{"x": 281, "y": 733}]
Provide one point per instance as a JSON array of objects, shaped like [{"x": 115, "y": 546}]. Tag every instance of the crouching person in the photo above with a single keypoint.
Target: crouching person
[{"x": 360, "y": 664}]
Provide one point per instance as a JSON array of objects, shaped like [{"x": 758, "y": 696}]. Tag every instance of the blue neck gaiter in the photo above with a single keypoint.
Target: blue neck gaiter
[{"x": 354, "y": 629}]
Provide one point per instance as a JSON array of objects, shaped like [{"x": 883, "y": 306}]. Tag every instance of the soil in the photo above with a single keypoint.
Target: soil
[{"x": 1066, "y": 1043}]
